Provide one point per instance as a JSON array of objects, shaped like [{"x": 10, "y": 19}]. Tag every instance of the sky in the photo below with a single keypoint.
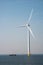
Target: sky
[{"x": 14, "y": 13}]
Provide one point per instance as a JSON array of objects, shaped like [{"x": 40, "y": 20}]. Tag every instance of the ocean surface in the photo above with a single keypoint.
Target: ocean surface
[{"x": 21, "y": 60}]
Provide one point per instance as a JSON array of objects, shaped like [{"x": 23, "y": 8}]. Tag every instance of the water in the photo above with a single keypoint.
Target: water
[{"x": 21, "y": 60}]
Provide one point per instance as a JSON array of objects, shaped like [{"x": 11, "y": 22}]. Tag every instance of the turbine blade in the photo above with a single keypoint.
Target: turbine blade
[
  {"x": 31, "y": 32},
  {"x": 21, "y": 26},
  {"x": 30, "y": 15}
]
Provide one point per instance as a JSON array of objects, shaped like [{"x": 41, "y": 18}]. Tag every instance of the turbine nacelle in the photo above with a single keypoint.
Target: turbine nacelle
[{"x": 27, "y": 25}]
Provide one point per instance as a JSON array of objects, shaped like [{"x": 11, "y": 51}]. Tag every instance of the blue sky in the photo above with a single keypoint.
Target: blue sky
[{"x": 14, "y": 13}]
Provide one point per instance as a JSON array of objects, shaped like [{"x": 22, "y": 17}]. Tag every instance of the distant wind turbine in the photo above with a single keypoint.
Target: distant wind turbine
[{"x": 30, "y": 31}]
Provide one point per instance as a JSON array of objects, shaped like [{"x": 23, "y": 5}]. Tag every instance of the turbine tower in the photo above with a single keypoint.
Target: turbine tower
[{"x": 29, "y": 31}]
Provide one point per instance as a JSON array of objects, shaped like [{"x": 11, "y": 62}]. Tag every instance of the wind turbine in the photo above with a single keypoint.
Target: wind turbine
[{"x": 29, "y": 31}]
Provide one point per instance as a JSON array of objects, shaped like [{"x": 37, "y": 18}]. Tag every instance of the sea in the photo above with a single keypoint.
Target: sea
[{"x": 21, "y": 60}]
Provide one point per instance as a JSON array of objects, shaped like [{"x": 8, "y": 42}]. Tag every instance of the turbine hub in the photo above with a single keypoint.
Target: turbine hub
[{"x": 27, "y": 25}]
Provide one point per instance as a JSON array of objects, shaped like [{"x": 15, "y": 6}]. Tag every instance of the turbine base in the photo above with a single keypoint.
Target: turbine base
[{"x": 29, "y": 54}]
